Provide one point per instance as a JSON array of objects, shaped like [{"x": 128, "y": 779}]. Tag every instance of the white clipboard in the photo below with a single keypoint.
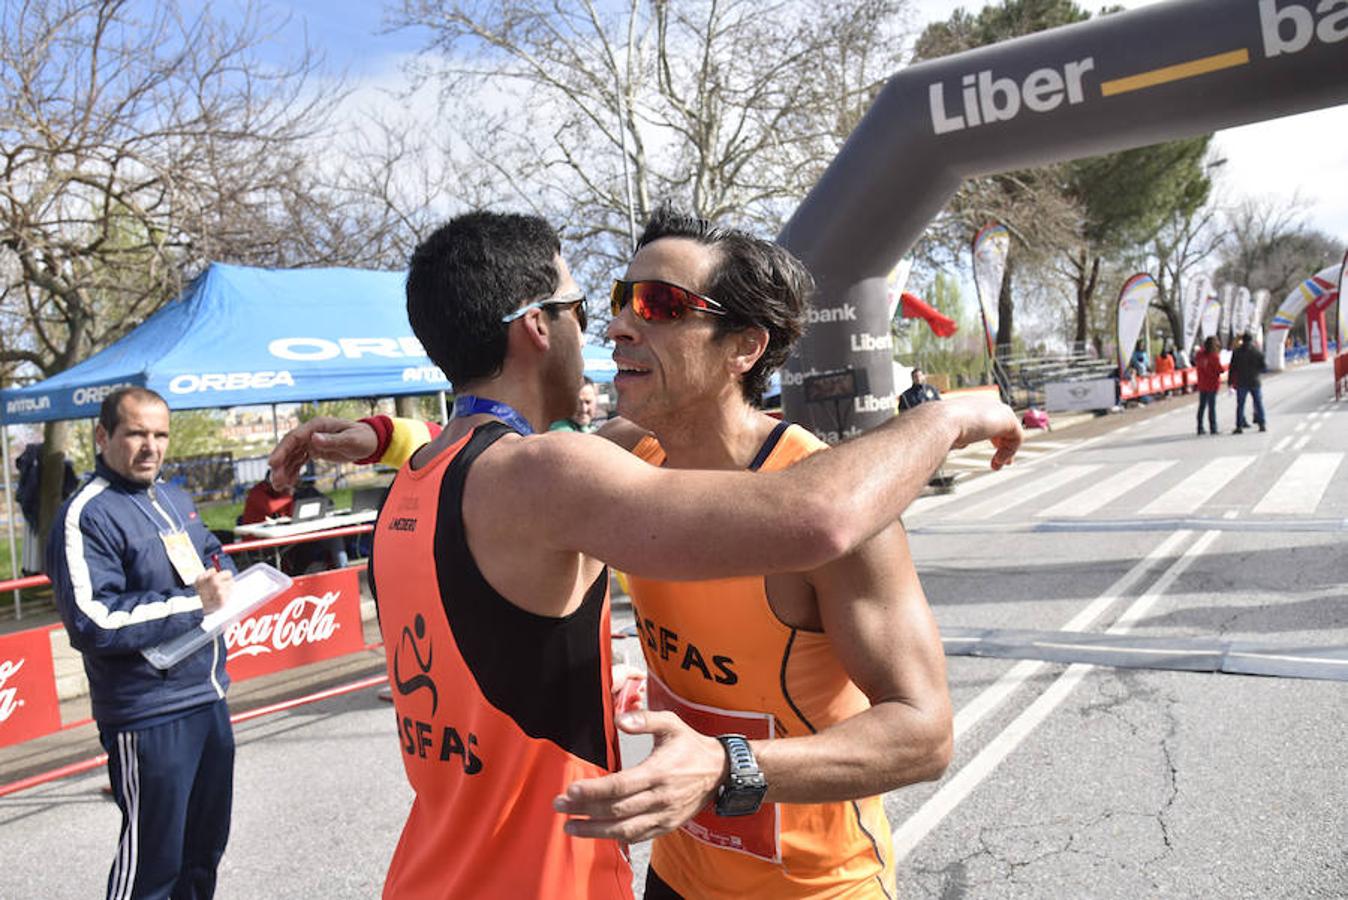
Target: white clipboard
[{"x": 253, "y": 587}]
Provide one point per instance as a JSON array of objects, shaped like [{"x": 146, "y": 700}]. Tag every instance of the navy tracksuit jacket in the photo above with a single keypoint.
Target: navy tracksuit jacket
[{"x": 167, "y": 733}]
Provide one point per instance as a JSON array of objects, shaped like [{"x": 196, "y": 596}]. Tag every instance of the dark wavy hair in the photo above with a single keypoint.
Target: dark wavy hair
[
  {"x": 758, "y": 282},
  {"x": 469, "y": 273}
]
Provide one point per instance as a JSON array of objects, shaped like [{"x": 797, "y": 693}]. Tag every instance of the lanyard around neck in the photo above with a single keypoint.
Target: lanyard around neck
[
  {"x": 171, "y": 519},
  {"x": 469, "y": 405}
]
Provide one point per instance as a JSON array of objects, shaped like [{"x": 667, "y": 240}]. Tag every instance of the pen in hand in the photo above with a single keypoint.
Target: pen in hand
[{"x": 215, "y": 561}]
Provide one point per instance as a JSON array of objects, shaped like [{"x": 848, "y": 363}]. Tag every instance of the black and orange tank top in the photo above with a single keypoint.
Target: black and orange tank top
[
  {"x": 498, "y": 709},
  {"x": 719, "y": 657}
]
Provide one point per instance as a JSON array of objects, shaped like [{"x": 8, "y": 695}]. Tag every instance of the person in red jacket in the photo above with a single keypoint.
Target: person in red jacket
[{"x": 1208, "y": 361}]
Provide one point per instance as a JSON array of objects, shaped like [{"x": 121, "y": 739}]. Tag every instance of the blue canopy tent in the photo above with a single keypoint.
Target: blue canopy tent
[{"x": 242, "y": 336}]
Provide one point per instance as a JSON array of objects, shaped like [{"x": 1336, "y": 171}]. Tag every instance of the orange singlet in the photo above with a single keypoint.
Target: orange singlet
[
  {"x": 721, "y": 659},
  {"x": 498, "y": 709}
]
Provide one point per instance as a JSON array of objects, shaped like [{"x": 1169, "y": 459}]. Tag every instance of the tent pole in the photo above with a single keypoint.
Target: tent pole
[
  {"x": 444, "y": 410},
  {"x": 275, "y": 427},
  {"x": 9, "y": 502}
]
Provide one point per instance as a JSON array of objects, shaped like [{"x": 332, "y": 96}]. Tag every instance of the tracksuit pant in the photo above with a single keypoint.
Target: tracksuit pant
[{"x": 174, "y": 784}]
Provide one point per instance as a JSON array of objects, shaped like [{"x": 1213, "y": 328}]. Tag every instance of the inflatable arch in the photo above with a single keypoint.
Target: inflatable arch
[
  {"x": 1162, "y": 72},
  {"x": 1314, "y": 296}
]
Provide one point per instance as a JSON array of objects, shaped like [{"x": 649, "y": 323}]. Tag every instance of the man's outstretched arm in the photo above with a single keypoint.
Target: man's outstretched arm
[{"x": 689, "y": 524}]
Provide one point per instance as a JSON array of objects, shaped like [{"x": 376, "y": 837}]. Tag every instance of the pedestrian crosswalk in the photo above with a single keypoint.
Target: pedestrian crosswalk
[
  {"x": 1189, "y": 495},
  {"x": 1230, "y": 486},
  {"x": 1106, "y": 492},
  {"x": 1301, "y": 487}
]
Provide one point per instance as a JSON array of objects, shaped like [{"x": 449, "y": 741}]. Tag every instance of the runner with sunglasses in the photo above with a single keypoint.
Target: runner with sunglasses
[{"x": 837, "y": 676}]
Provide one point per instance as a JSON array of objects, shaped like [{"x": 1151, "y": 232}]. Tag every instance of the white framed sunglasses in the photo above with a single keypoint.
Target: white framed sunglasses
[{"x": 570, "y": 298}]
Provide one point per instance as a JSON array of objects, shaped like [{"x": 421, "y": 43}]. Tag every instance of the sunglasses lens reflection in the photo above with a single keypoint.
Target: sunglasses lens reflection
[{"x": 653, "y": 301}]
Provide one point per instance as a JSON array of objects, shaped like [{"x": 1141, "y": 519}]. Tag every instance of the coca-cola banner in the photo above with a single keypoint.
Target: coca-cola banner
[
  {"x": 28, "y": 704},
  {"x": 318, "y": 618}
]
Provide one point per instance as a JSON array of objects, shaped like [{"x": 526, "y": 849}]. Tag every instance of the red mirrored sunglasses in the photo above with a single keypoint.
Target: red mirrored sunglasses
[{"x": 659, "y": 301}]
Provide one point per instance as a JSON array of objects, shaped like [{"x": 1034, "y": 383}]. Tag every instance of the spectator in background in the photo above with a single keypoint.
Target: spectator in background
[
  {"x": 1208, "y": 361},
  {"x": 1181, "y": 359},
  {"x": 1247, "y": 365},
  {"x": 28, "y": 492},
  {"x": 919, "y": 393},
  {"x": 131, "y": 567},
  {"x": 266, "y": 502},
  {"x": 587, "y": 404},
  {"x": 1165, "y": 363},
  {"x": 1140, "y": 362}
]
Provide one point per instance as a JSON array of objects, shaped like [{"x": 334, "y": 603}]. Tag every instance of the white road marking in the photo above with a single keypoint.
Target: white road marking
[
  {"x": 1301, "y": 442},
  {"x": 1302, "y": 486},
  {"x": 909, "y": 834},
  {"x": 1107, "y": 491},
  {"x": 996, "y": 693},
  {"x": 1196, "y": 490},
  {"x": 1024, "y": 493},
  {"x": 1282, "y": 444}
]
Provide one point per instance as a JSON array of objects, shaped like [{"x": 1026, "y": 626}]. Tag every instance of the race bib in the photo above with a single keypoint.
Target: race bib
[
  {"x": 183, "y": 556},
  {"x": 757, "y": 835}
]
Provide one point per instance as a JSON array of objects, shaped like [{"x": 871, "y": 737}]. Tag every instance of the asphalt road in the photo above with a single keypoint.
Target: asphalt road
[{"x": 1069, "y": 780}]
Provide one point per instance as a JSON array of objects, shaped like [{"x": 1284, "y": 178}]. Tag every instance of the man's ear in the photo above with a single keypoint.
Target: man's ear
[
  {"x": 100, "y": 438},
  {"x": 535, "y": 330},
  {"x": 746, "y": 346}
]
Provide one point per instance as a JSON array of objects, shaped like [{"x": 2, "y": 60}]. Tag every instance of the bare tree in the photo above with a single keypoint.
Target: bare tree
[
  {"x": 137, "y": 144},
  {"x": 591, "y": 114},
  {"x": 1269, "y": 246},
  {"x": 1187, "y": 240}
]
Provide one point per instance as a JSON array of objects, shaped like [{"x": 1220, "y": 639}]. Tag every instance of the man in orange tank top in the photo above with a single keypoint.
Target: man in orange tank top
[
  {"x": 489, "y": 527},
  {"x": 835, "y": 672}
]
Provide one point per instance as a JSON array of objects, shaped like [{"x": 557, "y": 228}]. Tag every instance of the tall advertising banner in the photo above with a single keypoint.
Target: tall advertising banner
[
  {"x": 991, "y": 246},
  {"x": 1240, "y": 316},
  {"x": 1341, "y": 332},
  {"x": 1341, "y": 328},
  {"x": 895, "y": 284},
  {"x": 1228, "y": 301},
  {"x": 1134, "y": 300},
  {"x": 1212, "y": 317},
  {"x": 1195, "y": 293},
  {"x": 1257, "y": 317}
]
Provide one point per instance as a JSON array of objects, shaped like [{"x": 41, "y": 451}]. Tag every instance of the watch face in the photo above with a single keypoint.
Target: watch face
[{"x": 742, "y": 796}]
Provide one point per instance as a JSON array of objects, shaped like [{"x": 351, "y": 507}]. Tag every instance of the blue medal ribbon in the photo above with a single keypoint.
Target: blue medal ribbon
[{"x": 469, "y": 405}]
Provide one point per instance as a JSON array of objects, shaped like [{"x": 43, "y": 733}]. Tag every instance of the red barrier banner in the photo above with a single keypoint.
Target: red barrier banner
[
  {"x": 1127, "y": 389},
  {"x": 28, "y": 704},
  {"x": 317, "y": 619}
]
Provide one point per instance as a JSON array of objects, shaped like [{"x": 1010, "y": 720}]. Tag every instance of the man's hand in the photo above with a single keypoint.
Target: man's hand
[
  {"x": 668, "y": 788},
  {"x": 213, "y": 587},
  {"x": 981, "y": 417},
  {"x": 324, "y": 437}
]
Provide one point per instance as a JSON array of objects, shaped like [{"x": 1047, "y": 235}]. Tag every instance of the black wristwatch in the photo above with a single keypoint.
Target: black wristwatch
[{"x": 742, "y": 791}]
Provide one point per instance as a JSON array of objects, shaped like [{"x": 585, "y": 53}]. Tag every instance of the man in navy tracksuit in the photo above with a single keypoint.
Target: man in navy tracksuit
[{"x": 131, "y": 566}]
